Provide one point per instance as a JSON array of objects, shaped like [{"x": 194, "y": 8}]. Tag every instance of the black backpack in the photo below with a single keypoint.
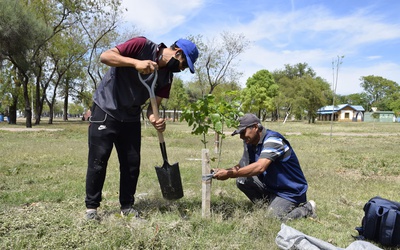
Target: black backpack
[{"x": 381, "y": 222}]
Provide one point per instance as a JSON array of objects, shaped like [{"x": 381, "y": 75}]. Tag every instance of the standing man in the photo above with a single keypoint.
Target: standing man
[
  {"x": 115, "y": 118},
  {"x": 269, "y": 171}
]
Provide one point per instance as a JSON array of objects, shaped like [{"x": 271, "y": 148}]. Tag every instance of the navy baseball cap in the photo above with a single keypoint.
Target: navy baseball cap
[
  {"x": 246, "y": 121},
  {"x": 190, "y": 51}
]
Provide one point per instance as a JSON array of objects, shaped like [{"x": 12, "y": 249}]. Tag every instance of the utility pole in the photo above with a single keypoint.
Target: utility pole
[{"x": 335, "y": 63}]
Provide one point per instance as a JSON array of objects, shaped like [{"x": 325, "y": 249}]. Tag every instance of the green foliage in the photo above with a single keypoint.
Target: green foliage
[
  {"x": 353, "y": 99},
  {"x": 301, "y": 92},
  {"x": 75, "y": 109},
  {"x": 295, "y": 71},
  {"x": 381, "y": 91},
  {"x": 313, "y": 94},
  {"x": 20, "y": 31},
  {"x": 206, "y": 113},
  {"x": 178, "y": 97},
  {"x": 259, "y": 93},
  {"x": 38, "y": 37},
  {"x": 395, "y": 103}
]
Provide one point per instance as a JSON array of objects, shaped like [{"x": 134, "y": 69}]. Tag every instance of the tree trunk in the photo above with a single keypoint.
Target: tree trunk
[
  {"x": 65, "y": 115},
  {"x": 28, "y": 109},
  {"x": 39, "y": 106},
  {"x": 51, "y": 113},
  {"x": 12, "y": 111},
  {"x": 37, "y": 102}
]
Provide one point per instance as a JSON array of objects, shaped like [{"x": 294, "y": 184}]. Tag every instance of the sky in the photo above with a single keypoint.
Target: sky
[{"x": 365, "y": 32}]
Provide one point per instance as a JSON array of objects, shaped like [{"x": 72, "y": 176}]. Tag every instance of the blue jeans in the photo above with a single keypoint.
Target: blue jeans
[
  {"x": 279, "y": 207},
  {"x": 104, "y": 133}
]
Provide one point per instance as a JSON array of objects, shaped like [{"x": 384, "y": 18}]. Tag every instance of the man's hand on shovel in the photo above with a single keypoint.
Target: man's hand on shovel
[{"x": 158, "y": 124}]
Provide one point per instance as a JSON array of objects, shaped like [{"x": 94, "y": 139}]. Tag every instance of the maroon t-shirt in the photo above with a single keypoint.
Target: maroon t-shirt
[
  {"x": 120, "y": 93},
  {"x": 132, "y": 48}
]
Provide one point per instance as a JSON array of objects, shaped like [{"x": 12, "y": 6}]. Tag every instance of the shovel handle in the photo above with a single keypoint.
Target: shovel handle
[
  {"x": 154, "y": 107},
  {"x": 163, "y": 148}
]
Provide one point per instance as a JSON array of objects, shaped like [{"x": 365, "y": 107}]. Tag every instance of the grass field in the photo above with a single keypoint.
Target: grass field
[{"x": 42, "y": 180}]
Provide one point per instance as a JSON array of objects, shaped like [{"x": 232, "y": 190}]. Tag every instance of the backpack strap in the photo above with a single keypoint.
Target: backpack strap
[
  {"x": 387, "y": 227},
  {"x": 370, "y": 221}
]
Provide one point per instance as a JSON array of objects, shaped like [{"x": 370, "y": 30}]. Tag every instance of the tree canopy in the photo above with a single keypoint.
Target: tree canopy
[
  {"x": 49, "y": 50},
  {"x": 259, "y": 93},
  {"x": 381, "y": 92}
]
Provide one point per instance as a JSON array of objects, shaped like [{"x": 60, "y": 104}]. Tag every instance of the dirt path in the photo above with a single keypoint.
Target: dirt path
[
  {"x": 30, "y": 129},
  {"x": 349, "y": 134}
]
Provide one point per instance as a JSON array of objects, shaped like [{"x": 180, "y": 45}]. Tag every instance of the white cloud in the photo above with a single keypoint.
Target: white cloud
[
  {"x": 374, "y": 57},
  {"x": 312, "y": 34},
  {"x": 315, "y": 36},
  {"x": 158, "y": 17},
  {"x": 319, "y": 26}
]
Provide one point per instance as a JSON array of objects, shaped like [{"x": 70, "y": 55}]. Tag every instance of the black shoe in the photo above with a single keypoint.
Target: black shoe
[
  {"x": 313, "y": 209},
  {"x": 91, "y": 214},
  {"x": 126, "y": 212}
]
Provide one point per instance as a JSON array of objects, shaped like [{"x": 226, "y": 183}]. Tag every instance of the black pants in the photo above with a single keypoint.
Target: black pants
[
  {"x": 104, "y": 133},
  {"x": 278, "y": 207}
]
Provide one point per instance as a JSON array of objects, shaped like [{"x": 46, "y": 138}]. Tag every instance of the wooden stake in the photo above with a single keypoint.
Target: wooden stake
[{"x": 205, "y": 184}]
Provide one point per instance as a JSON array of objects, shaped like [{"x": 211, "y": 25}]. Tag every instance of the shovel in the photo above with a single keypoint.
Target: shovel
[{"x": 169, "y": 176}]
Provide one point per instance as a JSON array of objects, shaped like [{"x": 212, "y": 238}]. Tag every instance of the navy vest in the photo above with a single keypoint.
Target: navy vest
[{"x": 283, "y": 176}]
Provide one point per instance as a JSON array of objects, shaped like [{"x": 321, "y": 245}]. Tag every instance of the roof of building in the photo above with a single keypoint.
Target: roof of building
[{"x": 333, "y": 109}]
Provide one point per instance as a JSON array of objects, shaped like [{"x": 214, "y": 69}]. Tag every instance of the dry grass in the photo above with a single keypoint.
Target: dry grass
[{"x": 42, "y": 178}]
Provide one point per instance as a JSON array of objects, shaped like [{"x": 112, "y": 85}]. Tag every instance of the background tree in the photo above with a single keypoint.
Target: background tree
[
  {"x": 216, "y": 64},
  {"x": 10, "y": 91},
  {"x": 100, "y": 33},
  {"x": 35, "y": 23},
  {"x": 75, "y": 109},
  {"x": 178, "y": 97},
  {"x": 395, "y": 103},
  {"x": 354, "y": 99},
  {"x": 65, "y": 53},
  {"x": 220, "y": 92},
  {"x": 286, "y": 95},
  {"x": 379, "y": 90},
  {"x": 258, "y": 96},
  {"x": 313, "y": 94},
  {"x": 290, "y": 81},
  {"x": 298, "y": 70},
  {"x": 22, "y": 34},
  {"x": 73, "y": 85}
]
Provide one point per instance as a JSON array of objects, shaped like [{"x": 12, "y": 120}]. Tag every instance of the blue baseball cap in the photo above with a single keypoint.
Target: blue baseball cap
[{"x": 190, "y": 51}]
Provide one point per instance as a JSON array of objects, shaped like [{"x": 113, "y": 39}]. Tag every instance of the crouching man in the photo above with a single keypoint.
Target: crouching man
[{"x": 269, "y": 172}]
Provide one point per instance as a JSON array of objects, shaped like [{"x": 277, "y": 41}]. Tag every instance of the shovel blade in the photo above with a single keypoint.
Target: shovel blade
[{"x": 170, "y": 181}]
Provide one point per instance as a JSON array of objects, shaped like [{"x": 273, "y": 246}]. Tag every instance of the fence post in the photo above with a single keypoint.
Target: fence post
[{"x": 206, "y": 184}]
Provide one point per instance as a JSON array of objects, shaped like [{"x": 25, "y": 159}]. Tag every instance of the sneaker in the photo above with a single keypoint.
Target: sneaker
[
  {"x": 91, "y": 214},
  {"x": 313, "y": 208},
  {"x": 125, "y": 212}
]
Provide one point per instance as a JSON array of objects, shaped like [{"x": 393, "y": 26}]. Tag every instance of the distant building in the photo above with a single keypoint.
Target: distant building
[
  {"x": 342, "y": 113},
  {"x": 379, "y": 116}
]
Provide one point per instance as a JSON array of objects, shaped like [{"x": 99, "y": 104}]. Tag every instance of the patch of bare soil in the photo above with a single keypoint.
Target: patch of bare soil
[
  {"x": 361, "y": 134},
  {"x": 350, "y": 134},
  {"x": 30, "y": 129},
  {"x": 357, "y": 175}
]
